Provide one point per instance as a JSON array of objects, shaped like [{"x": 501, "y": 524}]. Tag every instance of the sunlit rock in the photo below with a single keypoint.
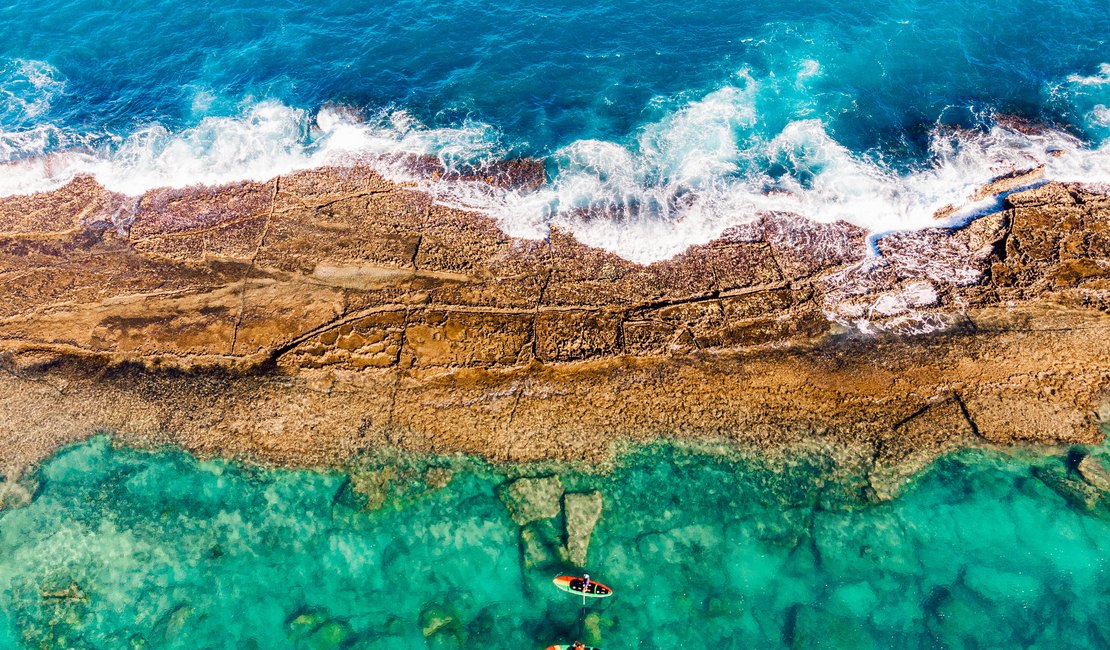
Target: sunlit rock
[
  {"x": 582, "y": 513},
  {"x": 531, "y": 499}
]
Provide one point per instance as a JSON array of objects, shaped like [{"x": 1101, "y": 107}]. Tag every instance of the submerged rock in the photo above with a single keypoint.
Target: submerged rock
[
  {"x": 1077, "y": 492},
  {"x": 174, "y": 624},
  {"x": 329, "y": 636},
  {"x": 532, "y": 499},
  {"x": 396, "y": 486},
  {"x": 72, "y": 592},
  {"x": 304, "y": 622},
  {"x": 375, "y": 486},
  {"x": 316, "y": 629},
  {"x": 437, "y": 620},
  {"x": 1093, "y": 470},
  {"x": 65, "y": 616},
  {"x": 591, "y": 627},
  {"x": 540, "y": 543},
  {"x": 582, "y": 513},
  {"x": 14, "y": 495}
]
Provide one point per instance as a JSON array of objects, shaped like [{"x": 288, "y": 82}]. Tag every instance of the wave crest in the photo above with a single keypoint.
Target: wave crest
[
  {"x": 685, "y": 182},
  {"x": 710, "y": 164},
  {"x": 268, "y": 139}
]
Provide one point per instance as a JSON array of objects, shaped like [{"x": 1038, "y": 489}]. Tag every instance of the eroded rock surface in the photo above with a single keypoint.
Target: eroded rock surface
[
  {"x": 532, "y": 499},
  {"x": 582, "y": 512},
  {"x": 311, "y": 317},
  {"x": 1093, "y": 470}
]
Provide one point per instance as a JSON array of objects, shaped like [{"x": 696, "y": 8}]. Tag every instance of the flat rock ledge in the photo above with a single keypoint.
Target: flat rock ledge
[{"x": 308, "y": 319}]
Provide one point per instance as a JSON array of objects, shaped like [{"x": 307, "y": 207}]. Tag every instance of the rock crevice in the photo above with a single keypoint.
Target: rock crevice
[{"x": 433, "y": 330}]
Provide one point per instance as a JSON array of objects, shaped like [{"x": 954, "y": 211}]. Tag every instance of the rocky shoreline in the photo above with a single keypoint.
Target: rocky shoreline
[{"x": 311, "y": 318}]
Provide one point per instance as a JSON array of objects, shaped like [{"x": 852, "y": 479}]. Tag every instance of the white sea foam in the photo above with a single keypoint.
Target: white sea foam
[
  {"x": 27, "y": 91},
  {"x": 1100, "y": 115},
  {"x": 682, "y": 180},
  {"x": 1100, "y": 79},
  {"x": 686, "y": 180},
  {"x": 27, "y": 88},
  {"x": 267, "y": 140}
]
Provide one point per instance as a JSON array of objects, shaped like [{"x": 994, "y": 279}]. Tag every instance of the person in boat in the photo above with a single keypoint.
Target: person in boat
[
  {"x": 578, "y": 645},
  {"x": 586, "y": 583}
]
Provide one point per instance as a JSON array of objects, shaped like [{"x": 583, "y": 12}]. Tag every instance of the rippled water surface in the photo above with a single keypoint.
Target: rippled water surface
[
  {"x": 121, "y": 548},
  {"x": 548, "y": 75},
  {"x": 675, "y": 120},
  {"x": 665, "y": 123}
]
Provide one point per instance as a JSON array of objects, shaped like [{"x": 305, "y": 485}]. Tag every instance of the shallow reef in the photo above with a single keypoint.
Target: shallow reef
[{"x": 115, "y": 547}]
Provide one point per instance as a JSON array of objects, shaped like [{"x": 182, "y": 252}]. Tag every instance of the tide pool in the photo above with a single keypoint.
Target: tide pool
[{"x": 120, "y": 548}]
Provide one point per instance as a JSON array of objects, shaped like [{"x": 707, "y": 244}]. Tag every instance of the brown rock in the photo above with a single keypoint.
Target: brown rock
[
  {"x": 1014, "y": 180},
  {"x": 309, "y": 318}
]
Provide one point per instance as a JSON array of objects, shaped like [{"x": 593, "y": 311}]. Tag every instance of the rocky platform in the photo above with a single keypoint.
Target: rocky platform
[{"x": 310, "y": 318}]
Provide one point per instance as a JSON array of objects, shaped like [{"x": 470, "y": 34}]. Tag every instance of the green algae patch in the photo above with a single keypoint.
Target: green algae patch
[{"x": 122, "y": 548}]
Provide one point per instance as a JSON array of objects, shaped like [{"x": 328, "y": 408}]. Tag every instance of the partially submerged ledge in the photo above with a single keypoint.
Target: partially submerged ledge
[
  {"x": 309, "y": 319},
  {"x": 776, "y": 554}
]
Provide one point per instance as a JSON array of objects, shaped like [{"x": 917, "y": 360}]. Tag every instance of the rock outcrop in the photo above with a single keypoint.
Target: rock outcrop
[
  {"x": 582, "y": 512},
  {"x": 1094, "y": 472},
  {"x": 535, "y": 504},
  {"x": 532, "y": 499},
  {"x": 311, "y": 317}
]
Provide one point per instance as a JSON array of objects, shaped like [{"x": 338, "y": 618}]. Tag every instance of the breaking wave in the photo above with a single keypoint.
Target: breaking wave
[{"x": 709, "y": 164}]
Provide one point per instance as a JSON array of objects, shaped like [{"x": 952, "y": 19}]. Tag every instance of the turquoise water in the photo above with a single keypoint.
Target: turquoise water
[
  {"x": 549, "y": 74},
  {"x": 121, "y": 548},
  {"x": 674, "y": 119},
  {"x": 665, "y": 123}
]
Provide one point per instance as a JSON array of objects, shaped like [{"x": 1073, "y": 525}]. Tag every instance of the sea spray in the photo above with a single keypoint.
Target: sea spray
[
  {"x": 646, "y": 202},
  {"x": 682, "y": 122}
]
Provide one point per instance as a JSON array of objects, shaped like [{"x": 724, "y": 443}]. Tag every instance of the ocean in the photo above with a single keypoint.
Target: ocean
[
  {"x": 135, "y": 549},
  {"x": 673, "y": 121},
  {"x": 660, "y": 125}
]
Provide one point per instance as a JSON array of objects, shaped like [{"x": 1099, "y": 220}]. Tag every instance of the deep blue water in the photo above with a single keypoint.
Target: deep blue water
[
  {"x": 675, "y": 119},
  {"x": 549, "y": 74}
]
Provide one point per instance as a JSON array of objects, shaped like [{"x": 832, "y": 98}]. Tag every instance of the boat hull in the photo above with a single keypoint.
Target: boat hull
[{"x": 573, "y": 585}]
